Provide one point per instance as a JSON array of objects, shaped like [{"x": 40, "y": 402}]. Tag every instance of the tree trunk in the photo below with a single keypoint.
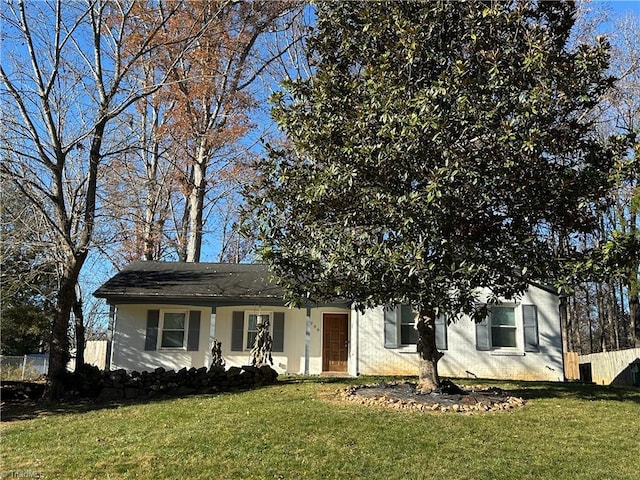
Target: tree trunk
[
  {"x": 59, "y": 345},
  {"x": 183, "y": 235},
  {"x": 625, "y": 326},
  {"x": 429, "y": 380},
  {"x": 634, "y": 316},
  {"x": 148, "y": 233},
  {"x": 577, "y": 339},
  {"x": 565, "y": 325},
  {"x": 614, "y": 315},
  {"x": 196, "y": 207},
  {"x": 602, "y": 320},
  {"x": 633, "y": 285},
  {"x": 79, "y": 330}
]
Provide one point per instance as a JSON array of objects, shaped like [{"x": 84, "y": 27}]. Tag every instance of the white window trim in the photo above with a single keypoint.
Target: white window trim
[
  {"x": 413, "y": 324},
  {"x": 245, "y": 329},
  {"x": 409, "y": 347},
  {"x": 518, "y": 350},
  {"x": 161, "y": 329}
]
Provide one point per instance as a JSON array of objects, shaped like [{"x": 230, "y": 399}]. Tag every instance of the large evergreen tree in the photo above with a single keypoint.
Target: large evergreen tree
[{"x": 438, "y": 148}]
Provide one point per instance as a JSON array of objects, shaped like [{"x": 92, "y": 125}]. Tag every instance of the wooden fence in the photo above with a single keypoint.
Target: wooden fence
[
  {"x": 621, "y": 367},
  {"x": 572, "y": 366}
]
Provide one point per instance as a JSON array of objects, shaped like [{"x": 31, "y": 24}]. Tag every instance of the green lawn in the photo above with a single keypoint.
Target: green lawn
[{"x": 296, "y": 429}]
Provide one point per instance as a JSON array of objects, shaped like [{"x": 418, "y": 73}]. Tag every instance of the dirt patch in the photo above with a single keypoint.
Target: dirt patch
[{"x": 405, "y": 396}]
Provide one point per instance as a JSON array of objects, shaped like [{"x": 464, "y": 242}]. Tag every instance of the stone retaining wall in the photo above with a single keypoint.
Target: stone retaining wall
[{"x": 120, "y": 384}]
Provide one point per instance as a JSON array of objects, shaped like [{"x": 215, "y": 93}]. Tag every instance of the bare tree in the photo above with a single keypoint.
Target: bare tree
[
  {"x": 213, "y": 98},
  {"x": 194, "y": 137},
  {"x": 69, "y": 72}
]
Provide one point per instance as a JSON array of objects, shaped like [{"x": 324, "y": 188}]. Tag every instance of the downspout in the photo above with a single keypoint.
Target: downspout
[{"x": 307, "y": 341}]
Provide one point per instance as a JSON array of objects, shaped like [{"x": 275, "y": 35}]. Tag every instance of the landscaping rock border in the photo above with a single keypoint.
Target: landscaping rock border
[{"x": 403, "y": 396}]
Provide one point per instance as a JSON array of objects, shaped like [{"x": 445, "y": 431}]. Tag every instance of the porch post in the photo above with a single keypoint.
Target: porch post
[
  {"x": 307, "y": 341},
  {"x": 357, "y": 335},
  {"x": 212, "y": 335}
]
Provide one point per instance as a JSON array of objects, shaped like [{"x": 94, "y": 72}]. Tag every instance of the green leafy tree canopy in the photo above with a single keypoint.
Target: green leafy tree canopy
[{"x": 437, "y": 149}]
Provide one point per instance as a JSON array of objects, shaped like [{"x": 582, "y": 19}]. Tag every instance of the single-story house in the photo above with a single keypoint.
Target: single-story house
[{"x": 168, "y": 314}]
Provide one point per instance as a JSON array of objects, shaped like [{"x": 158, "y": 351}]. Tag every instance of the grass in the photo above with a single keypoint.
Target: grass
[
  {"x": 297, "y": 429},
  {"x": 15, "y": 373}
]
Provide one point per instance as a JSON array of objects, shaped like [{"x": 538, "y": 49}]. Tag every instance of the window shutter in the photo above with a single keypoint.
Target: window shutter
[
  {"x": 237, "y": 329},
  {"x": 530, "y": 320},
  {"x": 151, "y": 338},
  {"x": 483, "y": 335},
  {"x": 278, "y": 332},
  {"x": 441, "y": 332},
  {"x": 193, "y": 339},
  {"x": 391, "y": 326}
]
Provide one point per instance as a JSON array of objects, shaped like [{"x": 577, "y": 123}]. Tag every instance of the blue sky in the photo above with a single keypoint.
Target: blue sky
[{"x": 623, "y": 6}]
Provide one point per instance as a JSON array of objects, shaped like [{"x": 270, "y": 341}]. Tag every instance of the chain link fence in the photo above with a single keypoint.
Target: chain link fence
[{"x": 24, "y": 367}]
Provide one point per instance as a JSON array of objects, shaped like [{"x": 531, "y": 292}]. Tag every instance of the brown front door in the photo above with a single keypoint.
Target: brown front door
[{"x": 335, "y": 344}]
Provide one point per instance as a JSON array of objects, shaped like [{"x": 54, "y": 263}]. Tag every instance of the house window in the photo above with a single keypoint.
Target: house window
[
  {"x": 252, "y": 322},
  {"x": 408, "y": 333},
  {"x": 170, "y": 329},
  {"x": 400, "y": 328},
  {"x": 503, "y": 327},
  {"x": 173, "y": 329},
  {"x": 244, "y": 328},
  {"x": 514, "y": 329}
]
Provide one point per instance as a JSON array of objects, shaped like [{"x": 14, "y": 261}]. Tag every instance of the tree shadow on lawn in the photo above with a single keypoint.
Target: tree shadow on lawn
[
  {"x": 526, "y": 390},
  {"x": 16, "y": 410},
  {"x": 571, "y": 390},
  {"x": 30, "y": 409}
]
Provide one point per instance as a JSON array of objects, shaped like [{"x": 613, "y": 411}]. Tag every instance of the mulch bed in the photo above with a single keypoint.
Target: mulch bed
[{"x": 405, "y": 396}]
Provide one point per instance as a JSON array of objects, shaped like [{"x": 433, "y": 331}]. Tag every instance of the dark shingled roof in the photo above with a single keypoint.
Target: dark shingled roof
[{"x": 196, "y": 282}]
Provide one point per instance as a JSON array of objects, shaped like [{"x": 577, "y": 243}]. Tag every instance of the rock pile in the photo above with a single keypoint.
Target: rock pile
[
  {"x": 120, "y": 384},
  {"x": 400, "y": 397}
]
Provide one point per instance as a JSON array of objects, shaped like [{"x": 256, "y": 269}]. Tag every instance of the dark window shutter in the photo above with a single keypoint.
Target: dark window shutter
[
  {"x": 237, "y": 328},
  {"x": 278, "y": 332},
  {"x": 441, "y": 332},
  {"x": 151, "y": 338},
  {"x": 530, "y": 321},
  {"x": 193, "y": 339},
  {"x": 390, "y": 327},
  {"x": 483, "y": 335}
]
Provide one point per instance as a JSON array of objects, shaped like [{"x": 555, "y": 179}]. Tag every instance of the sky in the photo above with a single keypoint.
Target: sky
[{"x": 624, "y": 6}]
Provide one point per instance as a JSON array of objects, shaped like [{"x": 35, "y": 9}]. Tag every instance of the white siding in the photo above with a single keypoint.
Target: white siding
[
  {"x": 462, "y": 359},
  {"x": 128, "y": 341},
  {"x": 367, "y": 354},
  {"x": 292, "y": 360}
]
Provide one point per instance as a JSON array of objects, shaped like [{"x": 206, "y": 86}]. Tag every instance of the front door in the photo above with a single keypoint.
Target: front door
[{"x": 335, "y": 344}]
